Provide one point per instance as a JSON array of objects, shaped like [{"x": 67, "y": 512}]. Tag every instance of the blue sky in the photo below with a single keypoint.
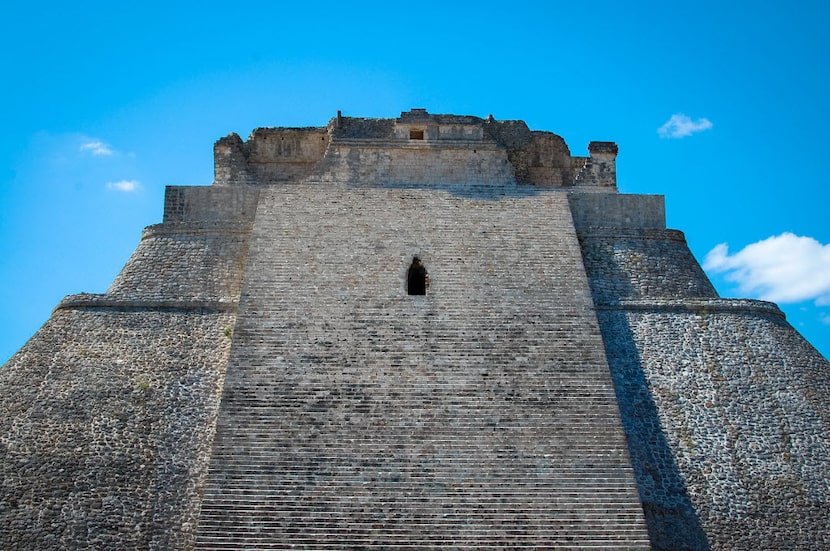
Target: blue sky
[{"x": 104, "y": 104}]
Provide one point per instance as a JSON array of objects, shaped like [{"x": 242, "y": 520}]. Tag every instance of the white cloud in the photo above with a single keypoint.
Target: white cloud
[
  {"x": 680, "y": 126},
  {"x": 783, "y": 268},
  {"x": 97, "y": 147},
  {"x": 126, "y": 186}
]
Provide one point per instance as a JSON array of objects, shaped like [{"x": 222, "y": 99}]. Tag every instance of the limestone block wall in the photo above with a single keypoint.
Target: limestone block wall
[
  {"x": 105, "y": 428},
  {"x": 230, "y": 162},
  {"x": 269, "y": 155},
  {"x": 285, "y": 154},
  {"x": 415, "y": 163},
  {"x": 600, "y": 169},
  {"x": 478, "y": 416},
  {"x": 436, "y": 131},
  {"x": 185, "y": 261},
  {"x": 544, "y": 160},
  {"x": 618, "y": 211},
  {"x": 460, "y": 132},
  {"x": 416, "y": 149},
  {"x": 210, "y": 205},
  {"x": 649, "y": 263},
  {"x": 198, "y": 254},
  {"x": 364, "y": 128}
]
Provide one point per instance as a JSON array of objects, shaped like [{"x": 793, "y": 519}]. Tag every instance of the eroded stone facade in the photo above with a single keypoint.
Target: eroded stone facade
[{"x": 259, "y": 376}]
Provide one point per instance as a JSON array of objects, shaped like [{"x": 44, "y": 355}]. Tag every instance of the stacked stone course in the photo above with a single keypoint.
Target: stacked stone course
[
  {"x": 478, "y": 416},
  {"x": 633, "y": 264},
  {"x": 258, "y": 377}
]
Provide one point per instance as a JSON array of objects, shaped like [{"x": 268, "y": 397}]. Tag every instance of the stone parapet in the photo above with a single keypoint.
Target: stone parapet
[
  {"x": 415, "y": 164},
  {"x": 210, "y": 205},
  {"x": 600, "y": 169}
]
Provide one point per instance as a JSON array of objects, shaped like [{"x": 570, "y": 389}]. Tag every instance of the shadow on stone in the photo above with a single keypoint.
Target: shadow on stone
[{"x": 673, "y": 523}]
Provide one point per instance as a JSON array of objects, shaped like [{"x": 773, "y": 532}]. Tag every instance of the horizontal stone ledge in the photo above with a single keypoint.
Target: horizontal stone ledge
[
  {"x": 406, "y": 143},
  {"x": 195, "y": 228},
  {"x": 89, "y": 300},
  {"x": 608, "y": 232},
  {"x": 705, "y": 306}
]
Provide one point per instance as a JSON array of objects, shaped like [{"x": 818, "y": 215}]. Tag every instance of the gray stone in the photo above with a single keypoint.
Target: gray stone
[{"x": 258, "y": 376}]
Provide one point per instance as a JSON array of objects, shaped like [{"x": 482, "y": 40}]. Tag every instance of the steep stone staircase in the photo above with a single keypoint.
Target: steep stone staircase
[{"x": 478, "y": 416}]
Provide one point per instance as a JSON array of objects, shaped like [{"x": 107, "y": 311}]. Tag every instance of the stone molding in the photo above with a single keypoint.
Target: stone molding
[
  {"x": 691, "y": 306},
  {"x": 194, "y": 228},
  {"x": 632, "y": 233},
  {"x": 90, "y": 300}
]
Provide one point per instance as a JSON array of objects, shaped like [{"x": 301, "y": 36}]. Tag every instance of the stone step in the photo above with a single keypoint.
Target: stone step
[{"x": 480, "y": 416}]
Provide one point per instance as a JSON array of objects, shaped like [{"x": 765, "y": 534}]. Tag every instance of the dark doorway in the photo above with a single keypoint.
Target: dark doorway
[{"x": 417, "y": 279}]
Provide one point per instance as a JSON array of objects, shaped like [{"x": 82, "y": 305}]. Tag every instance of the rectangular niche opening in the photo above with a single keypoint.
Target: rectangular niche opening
[{"x": 416, "y": 134}]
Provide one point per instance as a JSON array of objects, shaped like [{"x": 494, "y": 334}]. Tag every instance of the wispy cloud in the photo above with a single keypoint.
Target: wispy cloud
[
  {"x": 783, "y": 268},
  {"x": 127, "y": 186},
  {"x": 680, "y": 126},
  {"x": 97, "y": 147}
]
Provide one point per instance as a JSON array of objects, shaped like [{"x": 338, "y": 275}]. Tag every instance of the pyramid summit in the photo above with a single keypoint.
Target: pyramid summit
[{"x": 422, "y": 332}]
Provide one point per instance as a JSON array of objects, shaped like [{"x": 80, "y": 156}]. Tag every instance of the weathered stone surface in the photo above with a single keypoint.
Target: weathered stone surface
[
  {"x": 725, "y": 406},
  {"x": 570, "y": 379},
  {"x": 645, "y": 263},
  {"x": 175, "y": 262},
  {"x": 106, "y": 423},
  {"x": 108, "y": 413},
  {"x": 480, "y": 415},
  {"x": 726, "y": 414}
]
